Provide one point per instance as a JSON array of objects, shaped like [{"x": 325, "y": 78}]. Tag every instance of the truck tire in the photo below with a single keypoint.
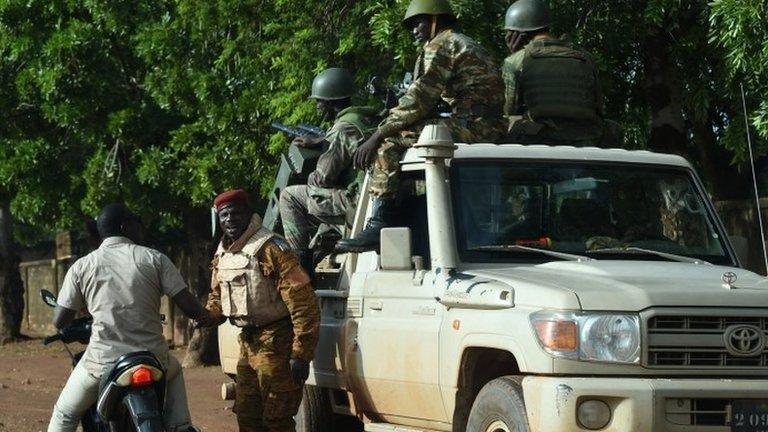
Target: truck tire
[
  {"x": 499, "y": 407},
  {"x": 315, "y": 414}
]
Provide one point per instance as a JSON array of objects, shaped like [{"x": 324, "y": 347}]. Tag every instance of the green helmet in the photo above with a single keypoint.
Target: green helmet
[
  {"x": 333, "y": 84},
  {"x": 527, "y": 15},
  {"x": 428, "y": 7}
]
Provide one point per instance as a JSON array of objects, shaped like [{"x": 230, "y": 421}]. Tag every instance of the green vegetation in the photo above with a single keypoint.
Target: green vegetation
[{"x": 162, "y": 104}]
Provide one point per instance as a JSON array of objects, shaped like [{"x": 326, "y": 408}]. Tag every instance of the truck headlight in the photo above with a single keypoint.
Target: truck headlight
[{"x": 602, "y": 337}]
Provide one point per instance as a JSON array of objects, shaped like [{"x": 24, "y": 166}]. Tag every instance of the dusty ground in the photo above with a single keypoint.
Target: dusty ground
[{"x": 31, "y": 377}]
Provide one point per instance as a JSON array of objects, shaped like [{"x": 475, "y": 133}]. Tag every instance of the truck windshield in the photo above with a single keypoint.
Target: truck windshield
[{"x": 597, "y": 210}]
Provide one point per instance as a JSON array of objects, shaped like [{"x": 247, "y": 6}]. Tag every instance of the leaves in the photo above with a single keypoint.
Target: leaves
[{"x": 188, "y": 88}]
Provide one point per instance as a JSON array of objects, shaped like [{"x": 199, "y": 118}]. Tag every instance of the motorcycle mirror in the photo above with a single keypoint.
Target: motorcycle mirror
[{"x": 48, "y": 297}]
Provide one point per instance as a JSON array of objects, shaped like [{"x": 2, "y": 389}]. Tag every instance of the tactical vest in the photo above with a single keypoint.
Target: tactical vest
[
  {"x": 247, "y": 297},
  {"x": 558, "y": 81},
  {"x": 364, "y": 119}
]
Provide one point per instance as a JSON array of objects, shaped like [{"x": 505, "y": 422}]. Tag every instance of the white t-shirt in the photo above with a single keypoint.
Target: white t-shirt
[{"x": 121, "y": 285}]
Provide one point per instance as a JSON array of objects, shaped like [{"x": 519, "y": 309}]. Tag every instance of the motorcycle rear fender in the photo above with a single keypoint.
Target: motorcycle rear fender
[
  {"x": 115, "y": 390},
  {"x": 144, "y": 408}
]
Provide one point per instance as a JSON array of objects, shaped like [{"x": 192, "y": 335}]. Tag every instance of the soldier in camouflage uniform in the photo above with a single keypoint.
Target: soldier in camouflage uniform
[
  {"x": 551, "y": 88},
  {"x": 451, "y": 68},
  {"x": 259, "y": 285},
  {"x": 331, "y": 190}
]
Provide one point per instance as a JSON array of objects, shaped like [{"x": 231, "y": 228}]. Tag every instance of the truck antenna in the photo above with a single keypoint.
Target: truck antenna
[{"x": 754, "y": 178}]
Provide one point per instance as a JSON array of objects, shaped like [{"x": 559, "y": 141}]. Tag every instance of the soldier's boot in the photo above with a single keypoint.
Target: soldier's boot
[
  {"x": 382, "y": 216},
  {"x": 306, "y": 259}
]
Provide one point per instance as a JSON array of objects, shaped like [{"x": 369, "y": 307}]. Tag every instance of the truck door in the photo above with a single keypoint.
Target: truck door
[
  {"x": 398, "y": 334},
  {"x": 398, "y": 347}
]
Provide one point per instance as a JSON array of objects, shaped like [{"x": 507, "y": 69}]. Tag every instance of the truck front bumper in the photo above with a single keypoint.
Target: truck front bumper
[{"x": 638, "y": 404}]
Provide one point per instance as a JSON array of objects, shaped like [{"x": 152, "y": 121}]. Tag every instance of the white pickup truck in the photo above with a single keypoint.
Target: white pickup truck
[{"x": 537, "y": 288}]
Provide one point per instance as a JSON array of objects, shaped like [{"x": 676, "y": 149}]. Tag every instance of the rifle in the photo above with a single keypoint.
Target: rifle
[
  {"x": 391, "y": 94},
  {"x": 301, "y": 130}
]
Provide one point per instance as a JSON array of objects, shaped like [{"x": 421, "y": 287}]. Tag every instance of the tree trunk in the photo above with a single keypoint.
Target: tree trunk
[
  {"x": 11, "y": 285},
  {"x": 203, "y": 348},
  {"x": 727, "y": 182},
  {"x": 663, "y": 96}
]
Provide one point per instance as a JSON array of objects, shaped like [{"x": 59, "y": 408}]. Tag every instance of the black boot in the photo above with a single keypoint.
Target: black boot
[
  {"x": 382, "y": 216},
  {"x": 306, "y": 259}
]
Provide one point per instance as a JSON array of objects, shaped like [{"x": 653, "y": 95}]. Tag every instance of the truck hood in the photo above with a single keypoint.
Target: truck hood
[{"x": 635, "y": 285}]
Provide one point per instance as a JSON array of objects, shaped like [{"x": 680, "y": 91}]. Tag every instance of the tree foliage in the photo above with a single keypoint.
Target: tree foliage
[{"x": 164, "y": 103}]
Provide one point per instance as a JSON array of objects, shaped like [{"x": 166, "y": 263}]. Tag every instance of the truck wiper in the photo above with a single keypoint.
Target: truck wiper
[
  {"x": 641, "y": 251},
  {"x": 527, "y": 249}
]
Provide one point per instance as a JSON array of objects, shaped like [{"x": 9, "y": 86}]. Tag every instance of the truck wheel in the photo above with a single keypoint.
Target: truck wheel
[
  {"x": 499, "y": 407},
  {"x": 315, "y": 414}
]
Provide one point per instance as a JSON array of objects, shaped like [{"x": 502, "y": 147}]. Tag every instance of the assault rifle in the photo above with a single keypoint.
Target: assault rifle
[
  {"x": 300, "y": 130},
  {"x": 391, "y": 94}
]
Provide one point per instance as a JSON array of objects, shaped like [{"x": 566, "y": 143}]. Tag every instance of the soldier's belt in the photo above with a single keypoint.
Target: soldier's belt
[{"x": 253, "y": 329}]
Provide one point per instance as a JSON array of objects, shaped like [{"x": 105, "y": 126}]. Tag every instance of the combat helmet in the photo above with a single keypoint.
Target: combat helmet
[
  {"x": 333, "y": 84},
  {"x": 428, "y": 7},
  {"x": 527, "y": 15}
]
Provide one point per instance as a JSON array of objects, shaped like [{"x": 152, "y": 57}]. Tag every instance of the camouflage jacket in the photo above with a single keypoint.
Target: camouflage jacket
[
  {"x": 509, "y": 70},
  {"x": 456, "y": 69},
  {"x": 334, "y": 169},
  {"x": 278, "y": 262}
]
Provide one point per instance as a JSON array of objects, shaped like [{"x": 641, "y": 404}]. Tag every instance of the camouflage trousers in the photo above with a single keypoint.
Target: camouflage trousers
[
  {"x": 386, "y": 169},
  {"x": 266, "y": 398},
  {"x": 303, "y": 208}
]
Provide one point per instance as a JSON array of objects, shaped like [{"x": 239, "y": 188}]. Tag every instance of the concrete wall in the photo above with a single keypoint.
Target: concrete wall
[{"x": 38, "y": 275}]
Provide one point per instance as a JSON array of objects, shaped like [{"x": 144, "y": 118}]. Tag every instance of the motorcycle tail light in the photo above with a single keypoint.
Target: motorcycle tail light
[{"x": 141, "y": 377}]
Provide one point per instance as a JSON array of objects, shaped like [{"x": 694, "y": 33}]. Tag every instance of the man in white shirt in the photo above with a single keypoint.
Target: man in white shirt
[{"x": 121, "y": 284}]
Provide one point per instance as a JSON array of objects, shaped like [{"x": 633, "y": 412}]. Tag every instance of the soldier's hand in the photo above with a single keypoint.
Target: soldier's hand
[
  {"x": 309, "y": 141},
  {"x": 209, "y": 319},
  {"x": 366, "y": 153},
  {"x": 299, "y": 370}
]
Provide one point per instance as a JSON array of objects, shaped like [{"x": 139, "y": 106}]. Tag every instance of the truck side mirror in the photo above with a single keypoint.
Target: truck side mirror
[
  {"x": 395, "y": 248},
  {"x": 741, "y": 247}
]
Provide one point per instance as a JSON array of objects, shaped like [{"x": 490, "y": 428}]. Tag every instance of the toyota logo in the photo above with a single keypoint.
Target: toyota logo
[
  {"x": 730, "y": 278},
  {"x": 744, "y": 340}
]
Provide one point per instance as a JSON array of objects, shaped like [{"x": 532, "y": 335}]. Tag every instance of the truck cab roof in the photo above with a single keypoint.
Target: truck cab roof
[{"x": 547, "y": 152}]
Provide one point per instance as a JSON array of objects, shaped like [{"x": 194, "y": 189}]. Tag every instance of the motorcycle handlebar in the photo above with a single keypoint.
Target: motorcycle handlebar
[{"x": 51, "y": 339}]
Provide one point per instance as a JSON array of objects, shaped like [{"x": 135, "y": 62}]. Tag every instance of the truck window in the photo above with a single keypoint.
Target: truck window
[
  {"x": 581, "y": 209},
  {"x": 413, "y": 193}
]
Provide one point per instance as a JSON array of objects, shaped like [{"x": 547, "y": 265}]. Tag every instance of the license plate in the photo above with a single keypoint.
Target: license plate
[{"x": 749, "y": 415}]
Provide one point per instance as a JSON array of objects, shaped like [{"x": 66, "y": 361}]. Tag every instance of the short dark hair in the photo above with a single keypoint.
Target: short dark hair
[{"x": 112, "y": 218}]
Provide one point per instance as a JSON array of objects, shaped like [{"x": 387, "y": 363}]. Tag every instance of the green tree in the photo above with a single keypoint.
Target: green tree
[{"x": 163, "y": 104}]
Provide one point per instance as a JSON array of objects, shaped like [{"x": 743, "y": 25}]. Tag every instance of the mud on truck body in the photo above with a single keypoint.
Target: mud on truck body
[{"x": 538, "y": 288}]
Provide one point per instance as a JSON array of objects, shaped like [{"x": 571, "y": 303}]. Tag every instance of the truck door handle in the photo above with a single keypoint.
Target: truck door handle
[{"x": 377, "y": 306}]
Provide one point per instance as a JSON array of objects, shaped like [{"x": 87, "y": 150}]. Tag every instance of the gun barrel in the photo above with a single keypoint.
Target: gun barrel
[
  {"x": 314, "y": 130},
  {"x": 289, "y": 130}
]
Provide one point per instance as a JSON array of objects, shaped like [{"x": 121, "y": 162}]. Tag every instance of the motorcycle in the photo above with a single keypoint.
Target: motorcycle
[{"x": 131, "y": 390}]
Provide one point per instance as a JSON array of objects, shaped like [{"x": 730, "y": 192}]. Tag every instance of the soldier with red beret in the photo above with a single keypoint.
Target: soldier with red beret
[{"x": 259, "y": 286}]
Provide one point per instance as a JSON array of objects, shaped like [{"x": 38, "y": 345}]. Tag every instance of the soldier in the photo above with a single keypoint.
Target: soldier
[
  {"x": 451, "y": 68},
  {"x": 332, "y": 189},
  {"x": 551, "y": 88},
  {"x": 258, "y": 284}
]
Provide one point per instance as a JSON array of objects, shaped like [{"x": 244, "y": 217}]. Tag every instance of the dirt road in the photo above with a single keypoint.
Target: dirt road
[{"x": 31, "y": 377}]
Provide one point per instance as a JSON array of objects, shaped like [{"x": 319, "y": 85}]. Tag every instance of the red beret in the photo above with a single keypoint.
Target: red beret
[{"x": 230, "y": 196}]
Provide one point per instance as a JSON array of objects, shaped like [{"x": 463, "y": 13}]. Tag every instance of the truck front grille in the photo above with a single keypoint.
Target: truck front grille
[
  {"x": 679, "y": 341},
  {"x": 698, "y": 412}
]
